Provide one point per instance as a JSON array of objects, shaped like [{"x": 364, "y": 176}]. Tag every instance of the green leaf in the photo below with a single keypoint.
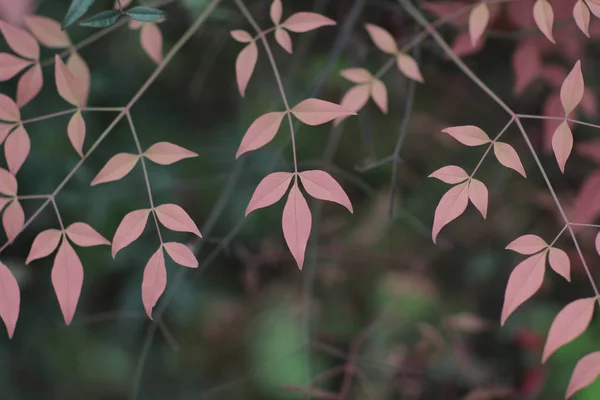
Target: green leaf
[
  {"x": 146, "y": 14},
  {"x": 102, "y": 19},
  {"x": 76, "y": 11}
]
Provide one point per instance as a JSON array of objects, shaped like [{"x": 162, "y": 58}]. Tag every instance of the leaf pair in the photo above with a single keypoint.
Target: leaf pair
[
  {"x": 367, "y": 86},
  {"x": 17, "y": 144},
  {"x": 103, "y": 19}
]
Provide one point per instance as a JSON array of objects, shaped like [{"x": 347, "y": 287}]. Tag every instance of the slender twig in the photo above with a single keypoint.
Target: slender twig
[
  {"x": 527, "y": 116},
  {"x": 584, "y": 225},
  {"x": 62, "y": 227}
]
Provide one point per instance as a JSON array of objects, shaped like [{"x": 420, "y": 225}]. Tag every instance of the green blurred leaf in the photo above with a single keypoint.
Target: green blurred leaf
[
  {"x": 146, "y": 14},
  {"x": 103, "y": 19},
  {"x": 76, "y": 11}
]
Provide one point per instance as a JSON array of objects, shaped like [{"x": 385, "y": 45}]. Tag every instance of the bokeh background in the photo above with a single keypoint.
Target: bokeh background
[{"x": 388, "y": 313}]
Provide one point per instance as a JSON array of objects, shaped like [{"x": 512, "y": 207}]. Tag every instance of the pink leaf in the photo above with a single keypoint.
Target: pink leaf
[
  {"x": 478, "y": 21},
  {"x": 571, "y": 91},
  {"x": 379, "y": 95},
  {"x": 450, "y": 174},
  {"x": 597, "y": 243},
  {"x": 47, "y": 31},
  {"x": 526, "y": 64},
  {"x": 241, "y": 36},
  {"x": 81, "y": 72},
  {"x": 11, "y": 66},
  {"x": 66, "y": 83},
  {"x": 175, "y": 218},
  {"x": 152, "y": 42},
  {"x": 8, "y": 183},
  {"x": 130, "y": 228},
  {"x": 316, "y": 112},
  {"x": 594, "y": 7},
  {"x": 382, "y": 39},
  {"x": 527, "y": 244},
  {"x": 269, "y": 191},
  {"x": 14, "y": 11},
  {"x": 478, "y": 194},
  {"x": 10, "y": 299},
  {"x": 544, "y": 18},
  {"x": 44, "y": 244},
  {"x": 275, "y": 11},
  {"x": 296, "y": 223},
  {"x": 562, "y": 144},
  {"x": 448, "y": 9},
  {"x": 244, "y": 66},
  {"x": 409, "y": 67},
  {"x": 9, "y": 111},
  {"x": 30, "y": 85},
  {"x": 13, "y": 220},
  {"x": 322, "y": 186},
  {"x": 116, "y": 168},
  {"x": 569, "y": 324},
  {"x": 354, "y": 100},
  {"x": 4, "y": 201},
  {"x": 468, "y": 135},
  {"x": 16, "y": 149},
  {"x": 154, "y": 281},
  {"x": 356, "y": 75},
  {"x": 181, "y": 254},
  {"x": 452, "y": 204},
  {"x": 581, "y": 14},
  {"x": 586, "y": 371},
  {"x": 463, "y": 47},
  {"x": 284, "y": 39},
  {"x": 166, "y": 153},
  {"x": 306, "y": 21},
  {"x": 508, "y": 157},
  {"x": 20, "y": 41},
  {"x": 76, "y": 132},
  {"x": 559, "y": 262},
  {"x": 524, "y": 281},
  {"x": 84, "y": 235},
  {"x": 67, "y": 279},
  {"x": 261, "y": 132},
  {"x": 5, "y": 130}
]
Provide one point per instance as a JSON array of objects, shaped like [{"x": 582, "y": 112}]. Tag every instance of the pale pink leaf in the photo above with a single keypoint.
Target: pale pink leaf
[
  {"x": 76, "y": 132},
  {"x": 571, "y": 91},
  {"x": 409, "y": 67},
  {"x": 560, "y": 263},
  {"x": 322, "y": 186},
  {"x": 244, "y": 66},
  {"x": 316, "y": 112},
  {"x": 16, "y": 149},
  {"x": 13, "y": 220},
  {"x": 527, "y": 244},
  {"x": 261, "y": 132},
  {"x": 284, "y": 39},
  {"x": 452, "y": 204},
  {"x": 569, "y": 324},
  {"x": 8, "y": 183},
  {"x": 11, "y": 66},
  {"x": 382, "y": 39},
  {"x": 524, "y": 281},
  {"x": 581, "y": 14},
  {"x": 84, "y": 235},
  {"x": 468, "y": 135},
  {"x": 296, "y": 222},
  {"x": 152, "y": 42},
  {"x": 562, "y": 144},
  {"x": 597, "y": 243},
  {"x": 44, "y": 244},
  {"x": 508, "y": 157},
  {"x": 66, "y": 83},
  {"x": 306, "y": 21},
  {"x": 154, "y": 281},
  {"x": 269, "y": 191},
  {"x": 130, "y": 228},
  {"x": 181, "y": 254},
  {"x": 9, "y": 111},
  {"x": 379, "y": 95},
  {"x": 81, "y": 72},
  {"x": 276, "y": 11},
  {"x": 450, "y": 174},
  {"x": 241, "y": 36},
  {"x": 544, "y": 18},
  {"x": 30, "y": 85},
  {"x": 479, "y": 18},
  {"x": 356, "y": 75},
  {"x": 585, "y": 373},
  {"x": 116, "y": 168},
  {"x": 67, "y": 279},
  {"x": 5, "y": 129},
  {"x": 10, "y": 299},
  {"x": 20, "y": 41},
  {"x": 166, "y": 153},
  {"x": 4, "y": 201},
  {"x": 175, "y": 218},
  {"x": 47, "y": 31},
  {"x": 594, "y": 6},
  {"x": 14, "y": 11},
  {"x": 354, "y": 100},
  {"x": 478, "y": 194}
]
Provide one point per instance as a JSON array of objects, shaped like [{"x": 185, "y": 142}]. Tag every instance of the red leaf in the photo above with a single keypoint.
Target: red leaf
[
  {"x": 468, "y": 135},
  {"x": 154, "y": 281},
  {"x": 409, "y": 67},
  {"x": 586, "y": 371},
  {"x": 67, "y": 279},
  {"x": 296, "y": 223},
  {"x": 11, "y": 66},
  {"x": 30, "y": 85},
  {"x": 462, "y": 45},
  {"x": 356, "y": 75},
  {"x": 379, "y": 95},
  {"x": 166, "y": 153},
  {"x": 450, "y": 174},
  {"x": 44, "y": 244},
  {"x": 478, "y": 21},
  {"x": 562, "y": 144},
  {"x": 316, "y": 112},
  {"x": 20, "y": 41},
  {"x": 452, "y": 204},
  {"x": 322, "y": 186},
  {"x": 261, "y": 132},
  {"x": 13, "y": 219},
  {"x": 382, "y": 39},
  {"x": 181, "y": 254},
  {"x": 47, "y": 31},
  {"x": 560, "y": 263},
  {"x": 130, "y": 228},
  {"x": 269, "y": 191},
  {"x": 66, "y": 83},
  {"x": 152, "y": 42},
  {"x": 175, "y": 218},
  {"x": 306, "y": 21},
  {"x": 9, "y": 111},
  {"x": 544, "y": 18},
  {"x": 478, "y": 194},
  {"x": 526, "y": 64},
  {"x": 508, "y": 157},
  {"x": 10, "y": 299},
  {"x": 76, "y": 132},
  {"x": 116, "y": 168},
  {"x": 527, "y": 244},
  {"x": 84, "y": 235},
  {"x": 284, "y": 39},
  {"x": 244, "y": 66},
  {"x": 571, "y": 91},
  {"x": 8, "y": 183}
]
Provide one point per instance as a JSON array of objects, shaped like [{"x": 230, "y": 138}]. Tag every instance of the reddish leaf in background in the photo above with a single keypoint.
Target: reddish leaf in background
[
  {"x": 152, "y": 42},
  {"x": 306, "y": 21},
  {"x": 589, "y": 103},
  {"x": 354, "y": 100},
  {"x": 581, "y": 14},
  {"x": 275, "y": 11},
  {"x": 67, "y": 279},
  {"x": 296, "y": 222},
  {"x": 81, "y": 72},
  {"x": 181, "y": 254},
  {"x": 597, "y": 243},
  {"x": 154, "y": 281},
  {"x": 13, "y": 219},
  {"x": 116, "y": 168},
  {"x": 524, "y": 281},
  {"x": 66, "y": 83},
  {"x": 462, "y": 45},
  {"x": 452, "y": 204},
  {"x": 478, "y": 194},
  {"x": 16, "y": 149},
  {"x": 10, "y": 299},
  {"x": 479, "y": 18},
  {"x": 20, "y": 41},
  {"x": 560, "y": 263},
  {"x": 571, "y": 91},
  {"x": 241, "y": 36},
  {"x": 11, "y": 66},
  {"x": 527, "y": 244},
  {"x": 47, "y": 31},
  {"x": 508, "y": 157},
  {"x": 526, "y": 64},
  {"x": 284, "y": 39},
  {"x": 322, "y": 186},
  {"x": 166, "y": 153},
  {"x": 14, "y": 11},
  {"x": 130, "y": 228},
  {"x": 544, "y": 18},
  {"x": 356, "y": 75},
  {"x": 84, "y": 235},
  {"x": 76, "y": 132},
  {"x": 8, "y": 183},
  {"x": 175, "y": 218},
  {"x": 244, "y": 66},
  {"x": 382, "y": 39},
  {"x": 443, "y": 9},
  {"x": 568, "y": 325},
  {"x": 379, "y": 95},
  {"x": 44, "y": 244},
  {"x": 562, "y": 144},
  {"x": 269, "y": 191},
  {"x": 261, "y": 132},
  {"x": 316, "y": 112},
  {"x": 585, "y": 373},
  {"x": 409, "y": 67},
  {"x": 586, "y": 206},
  {"x": 450, "y": 174},
  {"x": 30, "y": 85},
  {"x": 468, "y": 135},
  {"x": 9, "y": 111}
]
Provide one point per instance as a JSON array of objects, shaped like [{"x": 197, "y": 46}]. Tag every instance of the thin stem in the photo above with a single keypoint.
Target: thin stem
[
  {"x": 559, "y": 234},
  {"x": 34, "y": 197},
  {"x": 575, "y": 121},
  {"x": 120, "y": 6},
  {"x": 62, "y": 227},
  {"x": 49, "y": 116},
  {"x": 491, "y": 145},
  {"x": 103, "y": 109},
  {"x": 376, "y": 164},
  {"x": 584, "y": 225}
]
